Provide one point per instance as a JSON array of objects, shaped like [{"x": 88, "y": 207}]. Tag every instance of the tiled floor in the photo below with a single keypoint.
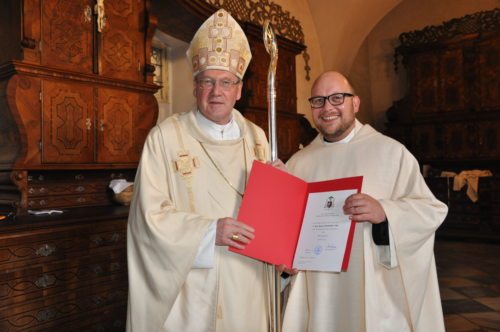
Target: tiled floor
[{"x": 469, "y": 280}]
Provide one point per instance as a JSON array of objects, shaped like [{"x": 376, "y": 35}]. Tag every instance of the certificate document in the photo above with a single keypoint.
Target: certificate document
[
  {"x": 324, "y": 234},
  {"x": 298, "y": 224}
]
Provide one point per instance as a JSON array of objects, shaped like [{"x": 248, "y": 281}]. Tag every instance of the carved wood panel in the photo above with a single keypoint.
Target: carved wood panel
[
  {"x": 255, "y": 89},
  {"x": 68, "y": 123},
  {"x": 451, "y": 80},
  {"x": 461, "y": 140},
  {"x": 489, "y": 138},
  {"x": 489, "y": 78},
  {"x": 425, "y": 93},
  {"x": 116, "y": 125},
  {"x": 122, "y": 41},
  {"x": 67, "y": 40},
  {"x": 428, "y": 141}
]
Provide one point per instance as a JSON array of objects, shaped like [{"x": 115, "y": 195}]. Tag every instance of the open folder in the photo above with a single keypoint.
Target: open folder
[{"x": 299, "y": 224}]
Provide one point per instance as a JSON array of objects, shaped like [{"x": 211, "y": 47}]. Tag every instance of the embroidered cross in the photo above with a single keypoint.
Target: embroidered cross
[{"x": 185, "y": 164}]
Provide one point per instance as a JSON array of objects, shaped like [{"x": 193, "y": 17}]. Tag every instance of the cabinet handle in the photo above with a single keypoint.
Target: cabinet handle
[
  {"x": 28, "y": 43},
  {"x": 81, "y": 200},
  {"x": 46, "y": 250},
  {"x": 88, "y": 123},
  {"x": 98, "y": 270},
  {"x": 149, "y": 68},
  {"x": 100, "y": 241},
  {"x": 46, "y": 314},
  {"x": 80, "y": 189},
  {"x": 98, "y": 300},
  {"x": 101, "y": 125},
  {"x": 45, "y": 281},
  {"x": 87, "y": 14},
  {"x": 101, "y": 18}
]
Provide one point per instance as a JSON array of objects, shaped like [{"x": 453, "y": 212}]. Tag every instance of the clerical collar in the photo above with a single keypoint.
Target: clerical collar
[
  {"x": 229, "y": 131},
  {"x": 348, "y": 138}
]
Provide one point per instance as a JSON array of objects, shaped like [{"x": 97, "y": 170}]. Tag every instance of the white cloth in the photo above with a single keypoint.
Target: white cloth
[
  {"x": 119, "y": 185},
  {"x": 206, "y": 252},
  {"x": 370, "y": 296},
  {"x": 178, "y": 195},
  {"x": 231, "y": 130},
  {"x": 471, "y": 179}
]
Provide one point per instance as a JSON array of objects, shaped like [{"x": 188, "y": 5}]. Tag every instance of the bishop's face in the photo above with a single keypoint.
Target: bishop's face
[
  {"x": 334, "y": 122},
  {"x": 216, "y": 92}
]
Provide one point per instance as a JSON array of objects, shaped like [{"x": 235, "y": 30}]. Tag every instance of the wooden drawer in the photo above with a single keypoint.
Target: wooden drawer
[
  {"x": 27, "y": 249},
  {"x": 43, "y": 280},
  {"x": 55, "y": 189},
  {"x": 109, "y": 319},
  {"x": 50, "y": 311},
  {"x": 67, "y": 201},
  {"x": 31, "y": 248}
]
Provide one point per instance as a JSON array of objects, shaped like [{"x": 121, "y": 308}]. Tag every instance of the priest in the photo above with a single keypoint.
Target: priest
[
  {"x": 188, "y": 188},
  {"x": 391, "y": 281}
]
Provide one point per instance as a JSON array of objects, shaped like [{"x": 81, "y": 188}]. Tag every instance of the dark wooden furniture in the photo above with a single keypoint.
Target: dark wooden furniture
[
  {"x": 76, "y": 103},
  {"x": 64, "y": 272},
  {"x": 450, "y": 118},
  {"x": 181, "y": 19}
]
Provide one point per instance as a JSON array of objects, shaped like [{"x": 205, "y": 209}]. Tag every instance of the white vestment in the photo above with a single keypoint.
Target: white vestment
[
  {"x": 373, "y": 295},
  {"x": 184, "y": 182}
]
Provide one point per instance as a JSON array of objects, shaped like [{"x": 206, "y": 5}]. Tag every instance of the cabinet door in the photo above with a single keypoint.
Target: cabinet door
[
  {"x": 489, "y": 80},
  {"x": 428, "y": 141},
  {"x": 122, "y": 40},
  {"x": 489, "y": 138},
  {"x": 67, "y": 126},
  {"x": 67, "y": 28},
  {"x": 286, "y": 95},
  {"x": 425, "y": 93},
  {"x": 461, "y": 140},
  {"x": 115, "y": 125},
  {"x": 451, "y": 80}
]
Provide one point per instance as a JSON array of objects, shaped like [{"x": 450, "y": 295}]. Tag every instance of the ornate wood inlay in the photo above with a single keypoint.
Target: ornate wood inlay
[
  {"x": 118, "y": 123},
  {"x": 68, "y": 36},
  {"x": 118, "y": 51}
]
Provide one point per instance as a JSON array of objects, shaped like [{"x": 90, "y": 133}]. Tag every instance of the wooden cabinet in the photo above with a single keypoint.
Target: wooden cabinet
[
  {"x": 450, "y": 118},
  {"x": 76, "y": 104},
  {"x": 467, "y": 219},
  {"x": 85, "y": 37},
  {"x": 76, "y": 91},
  {"x": 68, "y": 272}
]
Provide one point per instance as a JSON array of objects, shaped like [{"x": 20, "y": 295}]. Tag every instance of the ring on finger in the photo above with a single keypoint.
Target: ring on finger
[{"x": 235, "y": 237}]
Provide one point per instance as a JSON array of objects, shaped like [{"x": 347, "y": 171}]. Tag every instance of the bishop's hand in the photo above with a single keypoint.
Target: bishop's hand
[{"x": 233, "y": 233}]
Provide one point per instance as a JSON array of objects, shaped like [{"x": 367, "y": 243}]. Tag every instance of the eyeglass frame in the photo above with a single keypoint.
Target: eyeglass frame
[
  {"x": 325, "y": 98},
  {"x": 225, "y": 84}
]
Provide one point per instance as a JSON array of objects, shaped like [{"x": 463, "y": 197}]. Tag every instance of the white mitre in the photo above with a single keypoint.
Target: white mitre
[{"x": 221, "y": 44}]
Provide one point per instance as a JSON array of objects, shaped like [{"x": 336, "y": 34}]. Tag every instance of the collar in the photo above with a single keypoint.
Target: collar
[
  {"x": 348, "y": 138},
  {"x": 229, "y": 131}
]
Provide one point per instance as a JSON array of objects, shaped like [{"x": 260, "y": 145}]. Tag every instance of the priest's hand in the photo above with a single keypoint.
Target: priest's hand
[
  {"x": 279, "y": 165},
  {"x": 283, "y": 269},
  {"x": 233, "y": 233},
  {"x": 362, "y": 207}
]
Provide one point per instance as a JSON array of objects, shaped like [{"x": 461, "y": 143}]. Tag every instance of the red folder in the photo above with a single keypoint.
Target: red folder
[{"x": 274, "y": 204}]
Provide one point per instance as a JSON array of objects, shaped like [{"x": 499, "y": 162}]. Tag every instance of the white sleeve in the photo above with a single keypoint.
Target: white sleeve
[
  {"x": 206, "y": 252},
  {"x": 387, "y": 254}
]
